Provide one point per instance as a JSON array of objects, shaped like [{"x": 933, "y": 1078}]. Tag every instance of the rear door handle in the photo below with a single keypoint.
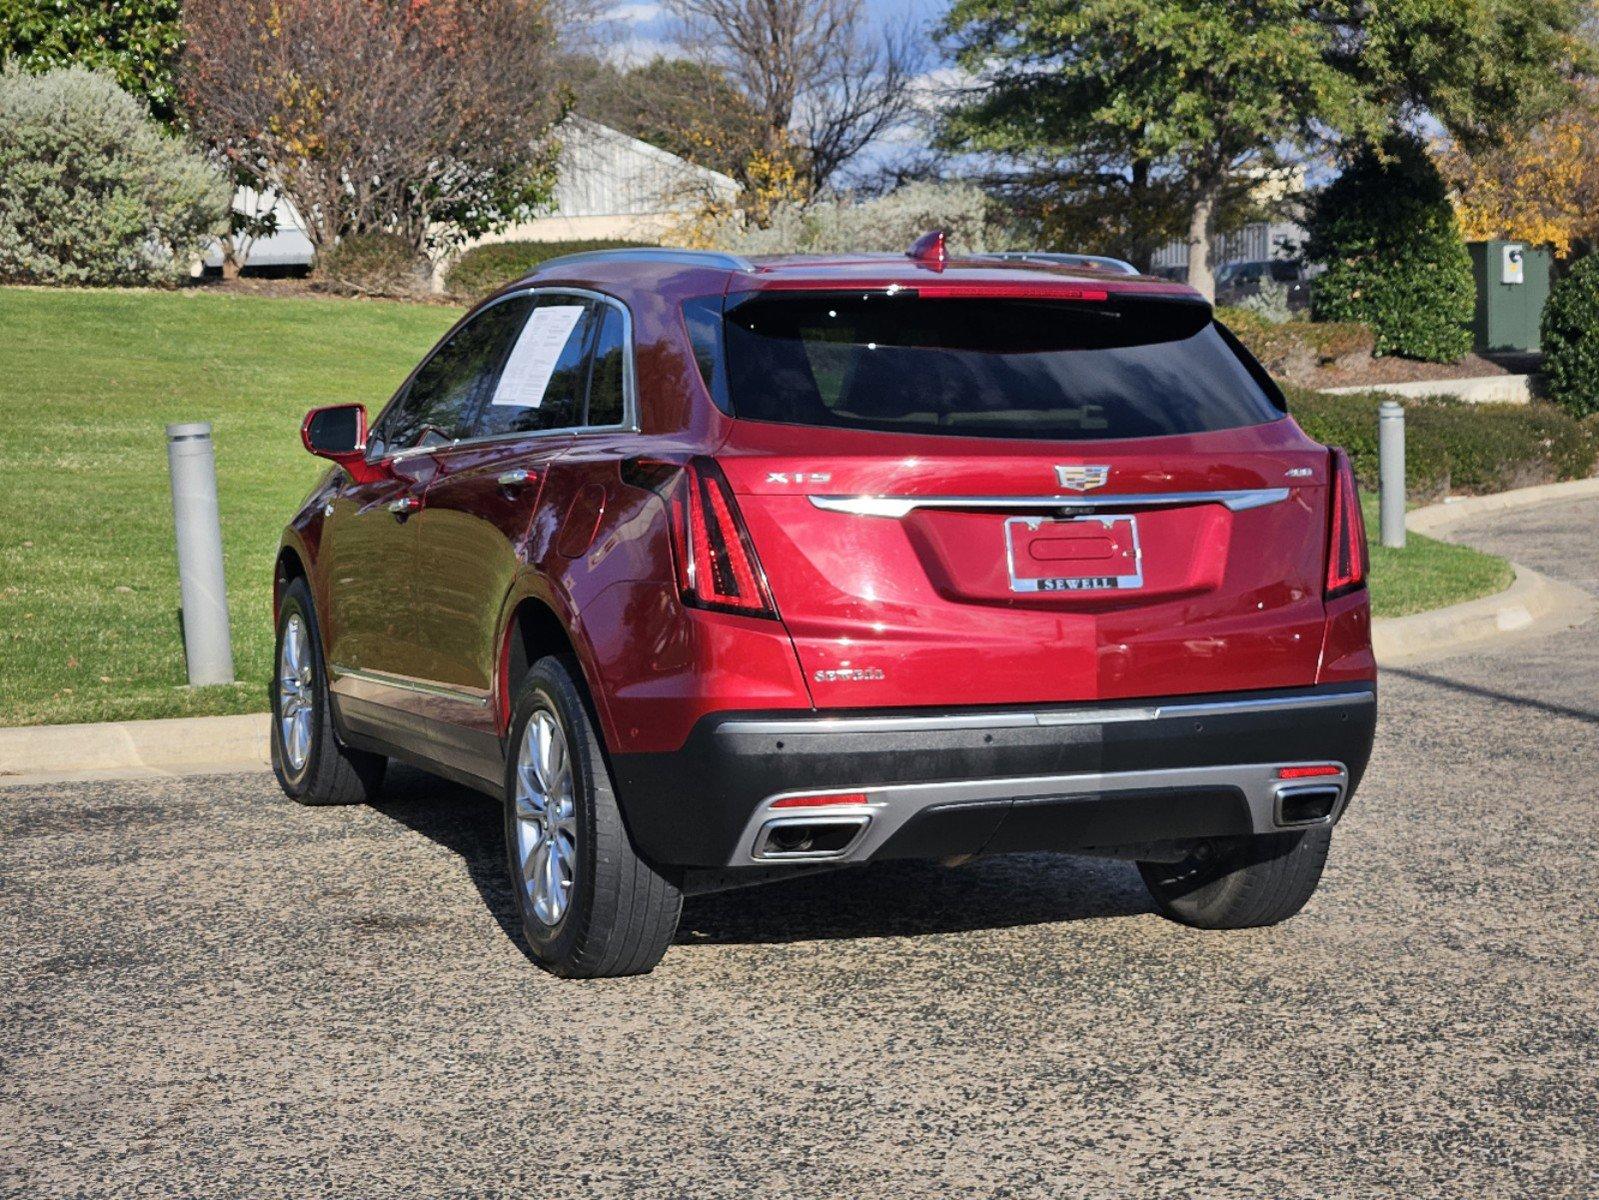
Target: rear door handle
[
  {"x": 514, "y": 479},
  {"x": 404, "y": 506}
]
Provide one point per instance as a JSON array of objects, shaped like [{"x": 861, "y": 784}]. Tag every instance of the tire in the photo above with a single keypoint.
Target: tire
[
  {"x": 607, "y": 912},
  {"x": 1240, "y": 883},
  {"x": 322, "y": 771}
]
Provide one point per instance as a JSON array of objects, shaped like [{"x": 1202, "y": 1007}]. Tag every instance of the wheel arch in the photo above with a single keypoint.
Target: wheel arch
[
  {"x": 533, "y": 626},
  {"x": 289, "y": 567}
]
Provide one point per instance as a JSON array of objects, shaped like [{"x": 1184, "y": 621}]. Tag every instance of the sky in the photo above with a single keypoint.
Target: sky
[
  {"x": 642, "y": 28},
  {"x": 638, "y": 32}
]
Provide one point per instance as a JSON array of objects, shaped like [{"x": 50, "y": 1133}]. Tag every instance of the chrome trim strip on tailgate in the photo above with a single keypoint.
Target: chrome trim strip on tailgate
[
  {"x": 899, "y": 506},
  {"x": 1046, "y": 718}
]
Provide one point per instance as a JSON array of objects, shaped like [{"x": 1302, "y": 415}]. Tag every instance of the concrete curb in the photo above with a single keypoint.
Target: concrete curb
[
  {"x": 220, "y": 745},
  {"x": 1533, "y": 603},
  {"x": 133, "y": 749},
  {"x": 1437, "y": 520},
  {"x": 1476, "y": 389}
]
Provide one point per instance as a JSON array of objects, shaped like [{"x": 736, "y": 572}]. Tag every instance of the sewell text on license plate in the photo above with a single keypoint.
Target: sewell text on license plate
[{"x": 1073, "y": 554}]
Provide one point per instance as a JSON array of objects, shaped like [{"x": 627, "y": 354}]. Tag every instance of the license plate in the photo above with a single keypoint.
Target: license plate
[{"x": 1074, "y": 554}]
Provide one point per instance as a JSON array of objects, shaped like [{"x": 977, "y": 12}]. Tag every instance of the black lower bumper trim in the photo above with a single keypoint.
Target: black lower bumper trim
[{"x": 690, "y": 807}]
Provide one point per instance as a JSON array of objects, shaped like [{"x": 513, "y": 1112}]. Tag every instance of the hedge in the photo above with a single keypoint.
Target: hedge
[
  {"x": 1453, "y": 446},
  {"x": 483, "y": 269},
  {"x": 1571, "y": 339},
  {"x": 372, "y": 264},
  {"x": 1296, "y": 348}
]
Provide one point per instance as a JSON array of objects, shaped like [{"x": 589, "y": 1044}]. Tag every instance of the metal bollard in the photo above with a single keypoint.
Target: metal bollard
[
  {"x": 1391, "y": 472},
  {"x": 207, "y": 643}
]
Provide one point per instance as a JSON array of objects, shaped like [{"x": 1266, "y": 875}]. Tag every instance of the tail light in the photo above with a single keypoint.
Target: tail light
[
  {"x": 716, "y": 564},
  {"x": 1346, "y": 550}
]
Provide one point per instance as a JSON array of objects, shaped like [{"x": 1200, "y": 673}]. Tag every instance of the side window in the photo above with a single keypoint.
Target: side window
[
  {"x": 606, "y": 395},
  {"x": 545, "y": 376},
  {"x": 703, "y": 318},
  {"x": 442, "y": 398}
]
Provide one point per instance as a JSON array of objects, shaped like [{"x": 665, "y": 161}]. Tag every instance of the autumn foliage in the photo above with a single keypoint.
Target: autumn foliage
[
  {"x": 1542, "y": 187},
  {"x": 427, "y": 119}
]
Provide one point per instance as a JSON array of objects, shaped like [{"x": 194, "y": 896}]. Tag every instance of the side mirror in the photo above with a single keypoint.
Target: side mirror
[{"x": 338, "y": 433}]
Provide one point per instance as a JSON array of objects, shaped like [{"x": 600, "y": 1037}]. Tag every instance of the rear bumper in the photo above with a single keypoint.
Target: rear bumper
[{"x": 1104, "y": 777}]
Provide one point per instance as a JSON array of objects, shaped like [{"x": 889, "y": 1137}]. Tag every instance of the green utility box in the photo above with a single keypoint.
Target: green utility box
[{"x": 1512, "y": 285}]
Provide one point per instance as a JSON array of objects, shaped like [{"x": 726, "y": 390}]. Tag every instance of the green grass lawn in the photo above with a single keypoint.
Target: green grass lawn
[
  {"x": 88, "y": 379},
  {"x": 1427, "y": 573},
  {"x": 88, "y": 582}
]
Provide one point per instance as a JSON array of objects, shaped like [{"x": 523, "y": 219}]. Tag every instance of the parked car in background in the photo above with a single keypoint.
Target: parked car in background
[
  {"x": 715, "y": 569},
  {"x": 1236, "y": 281}
]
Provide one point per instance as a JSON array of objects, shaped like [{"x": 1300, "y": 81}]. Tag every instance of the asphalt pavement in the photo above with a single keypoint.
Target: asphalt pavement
[{"x": 209, "y": 991}]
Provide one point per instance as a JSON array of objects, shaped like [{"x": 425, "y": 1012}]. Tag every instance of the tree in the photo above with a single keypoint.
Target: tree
[
  {"x": 1174, "y": 98},
  {"x": 137, "y": 41},
  {"x": 431, "y": 121},
  {"x": 92, "y": 189},
  {"x": 1196, "y": 99},
  {"x": 824, "y": 87},
  {"x": 1542, "y": 187},
  {"x": 1395, "y": 258},
  {"x": 685, "y": 107}
]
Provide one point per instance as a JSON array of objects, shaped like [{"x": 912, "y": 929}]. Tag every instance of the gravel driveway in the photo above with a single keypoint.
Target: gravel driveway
[{"x": 209, "y": 991}]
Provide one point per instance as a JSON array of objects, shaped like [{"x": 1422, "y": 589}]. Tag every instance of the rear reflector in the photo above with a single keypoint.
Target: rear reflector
[
  {"x": 1346, "y": 550},
  {"x": 820, "y": 801},
  {"x": 1316, "y": 772},
  {"x": 716, "y": 564}
]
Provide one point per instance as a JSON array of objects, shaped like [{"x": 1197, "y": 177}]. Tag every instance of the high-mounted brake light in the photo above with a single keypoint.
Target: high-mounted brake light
[
  {"x": 716, "y": 564},
  {"x": 1346, "y": 550}
]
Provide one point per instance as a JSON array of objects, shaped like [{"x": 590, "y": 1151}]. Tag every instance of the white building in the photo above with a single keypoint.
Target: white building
[{"x": 609, "y": 185}]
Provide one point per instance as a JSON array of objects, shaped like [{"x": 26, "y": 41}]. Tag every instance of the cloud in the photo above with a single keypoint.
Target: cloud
[{"x": 635, "y": 14}]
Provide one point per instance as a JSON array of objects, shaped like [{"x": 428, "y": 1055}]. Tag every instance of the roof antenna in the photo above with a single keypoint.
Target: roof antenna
[{"x": 929, "y": 248}]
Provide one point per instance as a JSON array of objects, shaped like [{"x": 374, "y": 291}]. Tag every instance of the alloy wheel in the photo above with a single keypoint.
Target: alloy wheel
[
  {"x": 546, "y": 817},
  {"x": 295, "y": 707}
]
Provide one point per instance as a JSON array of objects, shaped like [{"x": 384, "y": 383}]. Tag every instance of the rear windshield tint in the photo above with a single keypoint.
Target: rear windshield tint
[{"x": 1121, "y": 368}]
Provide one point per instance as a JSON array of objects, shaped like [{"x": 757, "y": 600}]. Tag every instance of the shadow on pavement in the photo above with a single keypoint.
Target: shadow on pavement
[
  {"x": 895, "y": 899},
  {"x": 1558, "y": 710}
]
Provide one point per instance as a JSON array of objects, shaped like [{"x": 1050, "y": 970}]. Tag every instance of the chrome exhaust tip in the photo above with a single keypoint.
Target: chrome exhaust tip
[
  {"x": 812, "y": 837},
  {"x": 1306, "y": 804}
]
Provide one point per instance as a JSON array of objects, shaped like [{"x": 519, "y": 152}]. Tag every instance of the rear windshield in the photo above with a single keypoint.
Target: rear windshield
[{"x": 1125, "y": 367}]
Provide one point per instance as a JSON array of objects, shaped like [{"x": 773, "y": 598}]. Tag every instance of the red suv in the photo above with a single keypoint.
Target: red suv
[{"x": 719, "y": 570}]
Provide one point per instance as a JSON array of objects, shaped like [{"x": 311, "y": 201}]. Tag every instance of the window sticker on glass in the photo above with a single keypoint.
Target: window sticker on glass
[{"x": 533, "y": 358}]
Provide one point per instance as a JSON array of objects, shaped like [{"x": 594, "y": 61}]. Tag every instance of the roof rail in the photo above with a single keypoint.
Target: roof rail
[
  {"x": 1068, "y": 259},
  {"x": 657, "y": 254}
]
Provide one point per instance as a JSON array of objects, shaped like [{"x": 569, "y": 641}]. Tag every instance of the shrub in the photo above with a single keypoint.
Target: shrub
[
  {"x": 1453, "y": 446},
  {"x": 372, "y": 264},
  {"x": 92, "y": 191},
  {"x": 1571, "y": 339},
  {"x": 1394, "y": 256},
  {"x": 847, "y": 225},
  {"x": 1270, "y": 303},
  {"x": 483, "y": 269},
  {"x": 1294, "y": 349}
]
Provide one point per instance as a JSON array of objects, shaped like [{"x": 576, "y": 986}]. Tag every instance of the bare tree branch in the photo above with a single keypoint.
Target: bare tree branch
[{"x": 810, "y": 68}]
